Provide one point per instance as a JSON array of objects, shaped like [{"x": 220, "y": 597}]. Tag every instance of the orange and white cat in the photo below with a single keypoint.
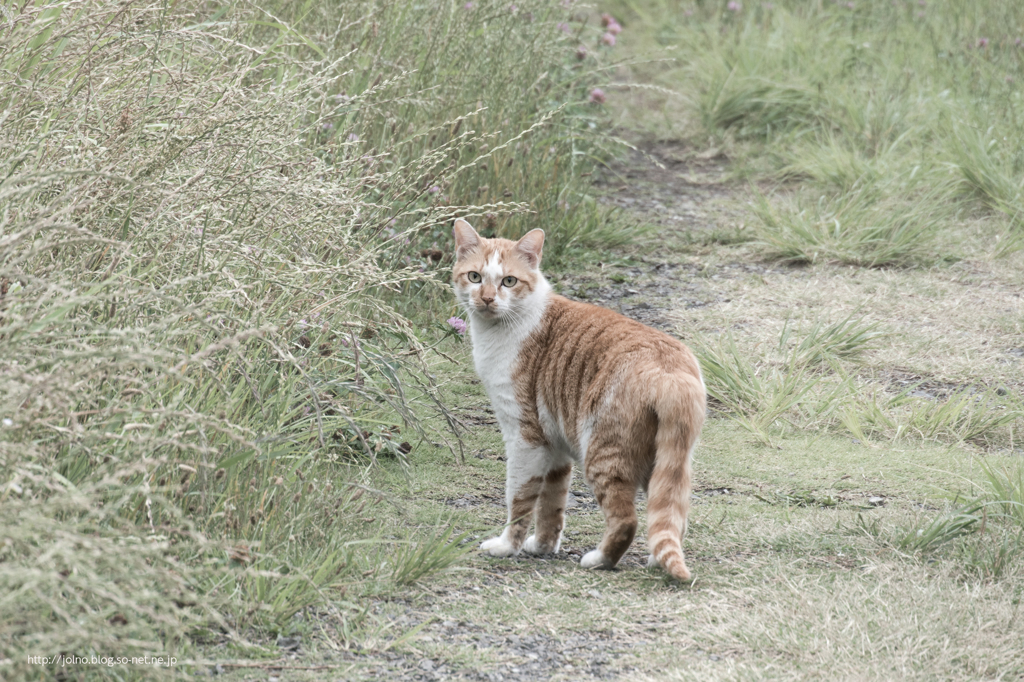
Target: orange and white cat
[{"x": 572, "y": 383}]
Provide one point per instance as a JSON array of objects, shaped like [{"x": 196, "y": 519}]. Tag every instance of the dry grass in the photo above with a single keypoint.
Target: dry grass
[
  {"x": 205, "y": 217},
  {"x": 876, "y": 623}
]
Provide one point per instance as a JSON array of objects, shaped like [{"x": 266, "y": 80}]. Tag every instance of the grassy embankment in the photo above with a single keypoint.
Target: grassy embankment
[{"x": 211, "y": 217}]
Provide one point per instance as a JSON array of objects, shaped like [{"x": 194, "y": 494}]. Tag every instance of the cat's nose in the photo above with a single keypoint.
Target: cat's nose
[{"x": 487, "y": 299}]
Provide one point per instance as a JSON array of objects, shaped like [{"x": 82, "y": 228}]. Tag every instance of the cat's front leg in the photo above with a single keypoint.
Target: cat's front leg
[
  {"x": 526, "y": 466},
  {"x": 550, "y": 512}
]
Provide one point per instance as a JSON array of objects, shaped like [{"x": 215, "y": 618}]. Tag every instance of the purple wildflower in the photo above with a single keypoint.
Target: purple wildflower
[
  {"x": 982, "y": 43},
  {"x": 581, "y": 53},
  {"x": 352, "y": 137},
  {"x": 564, "y": 27},
  {"x": 434, "y": 190},
  {"x": 734, "y": 6},
  {"x": 468, "y": 5},
  {"x": 608, "y": 39},
  {"x": 458, "y": 324},
  {"x": 597, "y": 96}
]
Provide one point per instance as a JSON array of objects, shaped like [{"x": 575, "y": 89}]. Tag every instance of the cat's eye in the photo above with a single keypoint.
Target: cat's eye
[
  {"x": 474, "y": 277},
  {"x": 509, "y": 281}
]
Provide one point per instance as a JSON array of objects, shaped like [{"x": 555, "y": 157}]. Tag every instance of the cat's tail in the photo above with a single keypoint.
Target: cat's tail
[{"x": 680, "y": 403}]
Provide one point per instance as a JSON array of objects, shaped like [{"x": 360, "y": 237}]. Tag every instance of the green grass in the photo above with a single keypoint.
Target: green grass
[
  {"x": 964, "y": 415},
  {"x": 899, "y": 119},
  {"x": 858, "y": 227},
  {"x": 807, "y": 381}
]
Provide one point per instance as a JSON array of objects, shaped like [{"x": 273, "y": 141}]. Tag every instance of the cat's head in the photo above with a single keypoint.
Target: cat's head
[{"x": 497, "y": 279}]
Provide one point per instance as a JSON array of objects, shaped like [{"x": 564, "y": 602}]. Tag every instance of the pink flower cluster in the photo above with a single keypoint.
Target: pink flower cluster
[
  {"x": 597, "y": 96},
  {"x": 458, "y": 324},
  {"x": 612, "y": 29},
  {"x": 609, "y": 22}
]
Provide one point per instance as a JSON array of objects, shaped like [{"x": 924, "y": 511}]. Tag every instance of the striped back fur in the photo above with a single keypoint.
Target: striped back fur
[{"x": 576, "y": 384}]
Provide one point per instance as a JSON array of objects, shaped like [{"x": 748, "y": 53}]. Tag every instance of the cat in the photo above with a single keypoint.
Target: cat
[{"x": 574, "y": 383}]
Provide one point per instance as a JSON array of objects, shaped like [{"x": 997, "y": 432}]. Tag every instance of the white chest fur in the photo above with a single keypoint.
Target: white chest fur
[{"x": 496, "y": 348}]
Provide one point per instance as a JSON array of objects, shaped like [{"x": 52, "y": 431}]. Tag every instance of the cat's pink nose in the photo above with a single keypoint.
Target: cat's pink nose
[{"x": 487, "y": 299}]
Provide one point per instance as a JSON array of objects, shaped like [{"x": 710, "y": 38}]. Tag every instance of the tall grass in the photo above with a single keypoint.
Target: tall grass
[
  {"x": 856, "y": 227},
  {"x": 807, "y": 379},
  {"x": 787, "y": 383},
  {"x": 205, "y": 211},
  {"x": 903, "y": 117},
  {"x": 985, "y": 533},
  {"x": 967, "y": 415}
]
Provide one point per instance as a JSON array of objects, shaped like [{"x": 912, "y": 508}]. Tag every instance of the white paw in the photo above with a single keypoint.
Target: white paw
[
  {"x": 498, "y": 546},
  {"x": 651, "y": 561},
  {"x": 531, "y": 546},
  {"x": 595, "y": 559}
]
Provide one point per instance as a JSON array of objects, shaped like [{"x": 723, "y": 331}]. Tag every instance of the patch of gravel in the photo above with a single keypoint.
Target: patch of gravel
[{"x": 507, "y": 656}]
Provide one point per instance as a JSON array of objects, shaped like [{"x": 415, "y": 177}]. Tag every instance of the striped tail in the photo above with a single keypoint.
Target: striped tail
[{"x": 680, "y": 404}]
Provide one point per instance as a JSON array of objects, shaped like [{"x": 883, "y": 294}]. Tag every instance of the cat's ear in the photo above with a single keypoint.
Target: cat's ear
[
  {"x": 531, "y": 246},
  {"x": 466, "y": 238}
]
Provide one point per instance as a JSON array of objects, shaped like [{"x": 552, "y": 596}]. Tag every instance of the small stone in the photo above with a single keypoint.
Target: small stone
[
  {"x": 876, "y": 501},
  {"x": 426, "y": 664},
  {"x": 594, "y": 593}
]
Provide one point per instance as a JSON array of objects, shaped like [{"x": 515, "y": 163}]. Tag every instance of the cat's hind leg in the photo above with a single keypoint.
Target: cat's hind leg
[
  {"x": 617, "y": 499},
  {"x": 550, "y": 512},
  {"x": 526, "y": 467}
]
